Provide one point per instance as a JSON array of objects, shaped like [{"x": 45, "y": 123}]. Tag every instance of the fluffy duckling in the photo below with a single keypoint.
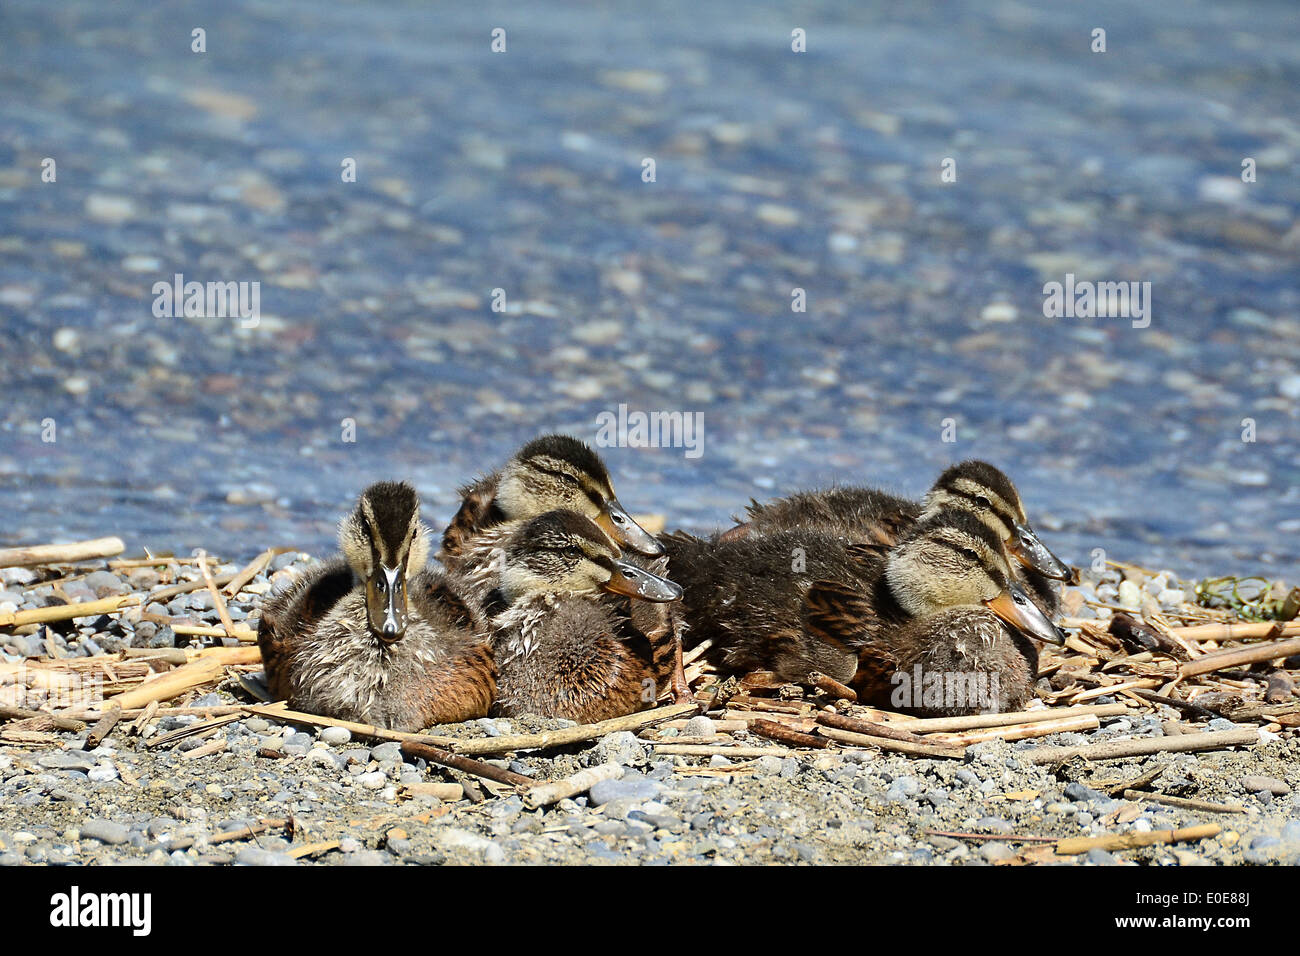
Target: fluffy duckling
[
  {"x": 562, "y": 648},
  {"x": 557, "y": 472},
  {"x": 796, "y": 601},
  {"x": 374, "y": 636},
  {"x": 549, "y": 473},
  {"x": 874, "y": 516}
]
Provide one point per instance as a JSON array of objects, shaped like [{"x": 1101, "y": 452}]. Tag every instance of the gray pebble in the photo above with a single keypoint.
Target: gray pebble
[
  {"x": 620, "y": 747},
  {"x": 337, "y": 736},
  {"x": 105, "y": 831},
  {"x": 635, "y": 788}
]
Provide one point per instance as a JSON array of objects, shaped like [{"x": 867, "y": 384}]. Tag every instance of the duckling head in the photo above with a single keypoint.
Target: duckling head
[
  {"x": 559, "y": 472},
  {"x": 953, "y": 559},
  {"x": 986, "y": 492},
  {"x": 385, "y": 543},
  {"x": 563, "y": 551}
]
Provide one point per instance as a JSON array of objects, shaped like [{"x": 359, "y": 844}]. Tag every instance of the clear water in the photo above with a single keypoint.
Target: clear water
[{"x": 522, "y": 171}]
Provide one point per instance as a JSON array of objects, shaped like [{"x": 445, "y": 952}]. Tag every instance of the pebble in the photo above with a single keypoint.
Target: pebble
[
  {"x": 1260, "y": 784},
  {"x": 626, "y": 788},
  {"x": 256, "y": 856},
  {"x": 390, "y": 750},
  {"x": 620, "y": 747},
  {"x": 105, "y": 831},
  {"x": 700, "y": 726},
  {"x": 336, "y": 736}
]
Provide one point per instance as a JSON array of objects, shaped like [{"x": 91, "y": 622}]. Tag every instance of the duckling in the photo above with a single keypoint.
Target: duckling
[
  {"x": 871, "y": 515},
  {"x": 562, "y": 649},
  {"x": 797, "y": 601},
  {"x": 548, "y": 473},
  {"x": 557, "y": 472},
  {"x": 375, "y": 636}
]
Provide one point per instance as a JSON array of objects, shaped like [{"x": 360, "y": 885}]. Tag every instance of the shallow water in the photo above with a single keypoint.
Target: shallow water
[{"x": 522, "y": 171}]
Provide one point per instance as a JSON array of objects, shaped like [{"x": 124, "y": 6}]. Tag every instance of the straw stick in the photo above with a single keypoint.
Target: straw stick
[
  {"x": 543, "y": 795},
  {"x": 1142, "y": 746},
  {"x": 1127, "y": 841},
  {"x": 67, "y": 612},
  {"x": 885, "y": 743},
  {"x": 549, "y": 739},
  {"x": 61, "y": 553},
  {"x": 1255, "y": 654}
]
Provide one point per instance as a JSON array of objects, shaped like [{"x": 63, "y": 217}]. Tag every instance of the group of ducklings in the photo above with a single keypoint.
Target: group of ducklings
[{"x": 551, "y": 600}]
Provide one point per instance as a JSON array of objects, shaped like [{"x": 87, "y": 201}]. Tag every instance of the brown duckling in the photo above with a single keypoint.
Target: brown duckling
[
  {"x": 557, "y": 472},
  {"x": 548, "y": 473},
  {"x": 562, "y": 647},
  {"x": 797, "y": 601},
  {"x": 874, "y": 516},
  {"x": 374, "y": 636}
]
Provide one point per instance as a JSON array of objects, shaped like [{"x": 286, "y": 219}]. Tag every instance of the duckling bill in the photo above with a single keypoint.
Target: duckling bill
[{"x": 375, "y": 636}]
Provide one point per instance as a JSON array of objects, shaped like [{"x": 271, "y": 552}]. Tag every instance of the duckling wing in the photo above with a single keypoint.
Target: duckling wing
[
  {"x": 477, "y": 511},
  {"x": 291, "y": 614}
]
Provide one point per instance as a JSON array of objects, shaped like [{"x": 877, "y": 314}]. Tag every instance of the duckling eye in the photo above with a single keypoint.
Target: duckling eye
[
  {"x": 572, "y": 551},
  {"x": 983, "y": 502}
]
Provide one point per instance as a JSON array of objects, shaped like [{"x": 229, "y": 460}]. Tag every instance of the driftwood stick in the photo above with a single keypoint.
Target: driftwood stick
[
  {"x": 1009, "y": 837},
  {"x": 974, "y": 721},
  {"x": 572, "y": 735},
  {"x": 67, "y": 612},
  {"x": 1043, "y": 728},
  {"x": 1137, "y": 783},
  {"x": 252, "y": 570},
  {"x": 1183, "y": 802},
  {"x": 61, "y": 553},
  {"x": 784, "y": 735},
  {"x": 543, "y": 795},
  {"x": 1236, "y": 632},
  {"x": 280, "y": 713},
  {"x": 211, "y": 747},
  {"x": 175, "y": 590},
  {"x": 112, "y": 714},
  {"x": 1127, "y": 841},
  {"x": 465, "y": 764},
  {"x": 202, "y": 727},
  {"x": 1187, "y": 707},
  {"x": 243, "y": 833},
  {"x": 869, "y": 727},
  {"x": 207, "y": 666},
  {"x": 1142, "y": 746},
  {"x": 60, "y": 722},
  {"x": 885, "y": 743},
  {"x": 240, "y": 633},
  {"x": 709, "y": 750},
  {"x": 824, "y": 682},
  {"x": 1255, "y": 654},
  {"x": 218, "y": 601}
]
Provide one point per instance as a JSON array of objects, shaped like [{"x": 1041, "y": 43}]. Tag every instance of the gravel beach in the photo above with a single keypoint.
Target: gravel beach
[{"x": 361, "y": 802}]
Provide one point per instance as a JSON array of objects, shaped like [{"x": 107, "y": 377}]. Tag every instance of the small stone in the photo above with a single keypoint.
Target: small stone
[
  {"x": 105, "y": 831},
  {"x": 391, "y": 750},
  {"x": 255, "y": 856},
  {"x": 1130, "y": 595},
  {"x": 1261, "y": 784},
  {"x": 699, "y": 727},
  {"x": 620, "y": 747},
  {"x": 634, "y": 788},
  {"x": 374, "y": 780},
  {"x": 337, "y": 736}
]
